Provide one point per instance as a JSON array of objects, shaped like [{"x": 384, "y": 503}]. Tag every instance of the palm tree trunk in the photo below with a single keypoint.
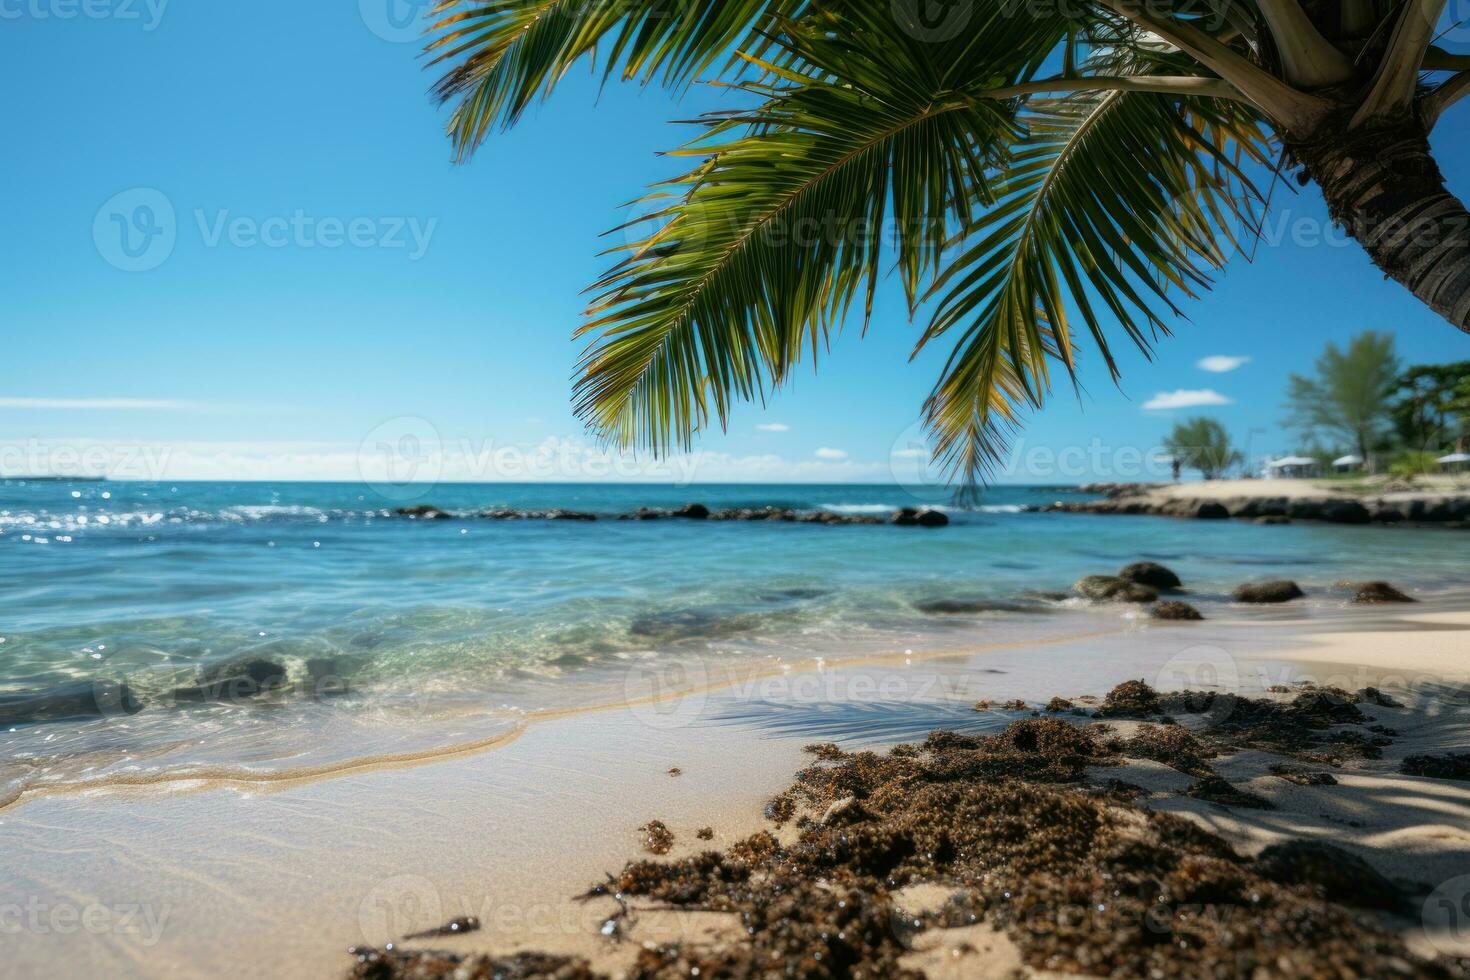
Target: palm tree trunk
[{"x": 1385, "y": 188}]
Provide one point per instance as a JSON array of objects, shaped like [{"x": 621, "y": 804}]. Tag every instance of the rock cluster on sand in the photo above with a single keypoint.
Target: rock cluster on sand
[
  {"x": 1174, "y": 609},
  {"x": 1375, "y": 592},
  {"x": 1279, "y": 590},
  {"x": 1113, "y": 588},
  {"x": 1152, "y": 574}
]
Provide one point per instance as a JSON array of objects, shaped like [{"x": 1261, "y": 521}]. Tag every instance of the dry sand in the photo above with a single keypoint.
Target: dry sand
[{"x": 279, "y": 879}]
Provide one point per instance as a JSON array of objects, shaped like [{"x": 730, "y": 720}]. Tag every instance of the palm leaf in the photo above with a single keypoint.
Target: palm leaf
[
  {"x": 864, "y": 146},
  {"x": 501, "y": 55},
  {"x": 1115, "y": 201}
]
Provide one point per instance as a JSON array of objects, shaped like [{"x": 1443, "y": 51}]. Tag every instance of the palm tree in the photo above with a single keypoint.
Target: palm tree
[
  {"x": 1351, "y": 396},
  {"x": 1038, "y": 169},
  {"x": 1202, "y": 444}
]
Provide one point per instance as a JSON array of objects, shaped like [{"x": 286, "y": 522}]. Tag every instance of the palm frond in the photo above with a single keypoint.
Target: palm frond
[
  {"x": 502, "y": 55},
  {"x": 864, "y": 145},
  {"x": 1114, "y": 201}
]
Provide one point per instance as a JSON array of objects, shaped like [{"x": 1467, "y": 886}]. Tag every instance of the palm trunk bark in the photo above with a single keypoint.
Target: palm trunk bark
[{"x": 1385, "y": 188}]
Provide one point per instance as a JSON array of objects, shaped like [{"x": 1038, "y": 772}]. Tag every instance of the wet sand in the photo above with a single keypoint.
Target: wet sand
[{"x": 280, "y": 878}]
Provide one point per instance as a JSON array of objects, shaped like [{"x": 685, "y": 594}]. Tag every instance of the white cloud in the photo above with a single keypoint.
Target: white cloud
[
  {"x": 773, "y": 427},
  {"x": 1184, "y": 398},
  {"x": 100, "y": 404},
  {"x": 1221, "y": 363},
  {"x": 833, "y": 454},
  {"x": 911, "y": 453}
]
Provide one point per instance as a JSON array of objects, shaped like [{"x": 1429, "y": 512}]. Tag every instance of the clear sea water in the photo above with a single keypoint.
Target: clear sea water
[{"x": 436, "y": 633}]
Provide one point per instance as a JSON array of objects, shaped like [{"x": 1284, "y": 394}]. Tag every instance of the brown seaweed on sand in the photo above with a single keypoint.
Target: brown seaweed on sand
[{"x": 1079, "y": 878}]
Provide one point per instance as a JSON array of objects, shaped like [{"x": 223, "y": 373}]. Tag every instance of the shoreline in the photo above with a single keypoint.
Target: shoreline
[
  {"x": 511, "y": 835},
  {"x": 1279, "y": 502}
]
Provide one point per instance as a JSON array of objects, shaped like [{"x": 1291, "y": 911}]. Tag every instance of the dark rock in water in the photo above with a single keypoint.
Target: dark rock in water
[
  {"x": 1374, "y": 592},
  {"x": 1336, "y": 874},
  {"x": 1214, "y": 789},
  {"x": 798, "y": 593},
  {"x": 1345, "y": 512},
  {"x": 1151, "y": 574},
  {"x": 648, "y": 514},
  {"x": 1173, "y": 609},
  {"x": 914, "y": 517},
  {"x": 1386, "y": 513},
  {"x": 1211, "y": 510},
  {"x": 679, "y": 624},
  {"x": 1280, "y": 590},
  {"x": 537, "y": 515},
  {"x": 77, "y": 700},
  {"x": 1111, "y": 588},
  {"x": 1454, "y": 765},
  {"x": 694, "y": 512},
  {"x": 960, "y": 607},
  {"x": 325, "y": 677},
  {"x": 569, "y": 515},
  {"x": 234, "y": 681},
  {"x": 1273, "y": 519},
  {"x": 423, "y": 512}
]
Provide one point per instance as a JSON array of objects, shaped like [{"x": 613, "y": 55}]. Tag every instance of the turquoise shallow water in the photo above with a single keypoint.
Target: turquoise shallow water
[{"x": 453, "y": 621}]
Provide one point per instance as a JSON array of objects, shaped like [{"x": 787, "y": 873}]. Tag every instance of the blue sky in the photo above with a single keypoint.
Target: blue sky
[{"x": 444, "y": 312}]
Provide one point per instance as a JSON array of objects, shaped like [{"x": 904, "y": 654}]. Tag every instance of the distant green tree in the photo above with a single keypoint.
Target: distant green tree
[
  {"x": 1432, "y": 405},
  {"x": 1202, "y": 444},
  {"x": 1350, "y": 397}
]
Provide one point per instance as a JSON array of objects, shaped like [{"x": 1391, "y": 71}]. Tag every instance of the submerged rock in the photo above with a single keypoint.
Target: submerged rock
[
  {"x": 1151, "y": 574},
  {"x": 1280, "y": 590},
  {"x": 235, "y": 681},
  {"x": 1173, "y": 609},
  {"x": 1111, "y": 588},
  {"x": 960, "y": 607},
  {"x": 77, "y": 700},
  {"x": 1375, "y": 592}
]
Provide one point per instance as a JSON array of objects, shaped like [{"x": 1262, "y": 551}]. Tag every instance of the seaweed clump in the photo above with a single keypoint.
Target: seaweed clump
[
  {"x": 1130, "y": 699},
  {"x": 374, "y": 964},
  {"x": 1080, "y": 878},
  {"x": 1080, "y": 881}
]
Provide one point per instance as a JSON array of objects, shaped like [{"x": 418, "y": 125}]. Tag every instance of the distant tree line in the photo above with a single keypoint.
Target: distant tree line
[{"x": 1360, "y": 401}]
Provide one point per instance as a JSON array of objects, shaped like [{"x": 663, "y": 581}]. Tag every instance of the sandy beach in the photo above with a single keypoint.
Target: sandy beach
[{"x": 281, "y": 878}]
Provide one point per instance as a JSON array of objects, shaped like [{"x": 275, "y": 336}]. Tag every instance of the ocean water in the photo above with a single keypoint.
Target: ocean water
[{"x": 402, "y": 636}]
